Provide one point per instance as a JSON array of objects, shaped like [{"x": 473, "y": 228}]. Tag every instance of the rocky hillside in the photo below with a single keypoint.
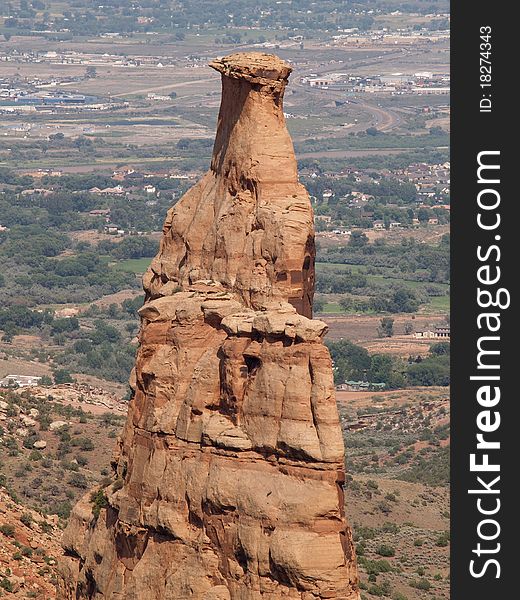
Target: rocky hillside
[
  {"x": 29, "y": 547},
  {"x": 54, "y": 444}
]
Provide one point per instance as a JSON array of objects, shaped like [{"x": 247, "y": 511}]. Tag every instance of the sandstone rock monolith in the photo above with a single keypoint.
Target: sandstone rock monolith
[{"x": 230, "y": 468}]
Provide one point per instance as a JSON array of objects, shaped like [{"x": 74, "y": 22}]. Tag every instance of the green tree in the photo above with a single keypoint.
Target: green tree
[
  {"x": 385, "y": 550},
  {"x": 440, "y": 348},
  {"x": 358, "y": 239},
  {"x": 350, "y": 360},
  {"x": 104, "y": 333},
  {"x": 62, "y": 376},
  {"x": 318, "y": 305},
  {"x": 386, "y": 327},
  {"x": 423, "y": 214},
  {"x": 99, "y": 501},
  {"x": 384, "y": 368},
  {"x": 63, "y": 325},
  {"x": 404, "y": 300},
  {"x": 346, "y": 303},
  {"x": 135, "y": 247}
]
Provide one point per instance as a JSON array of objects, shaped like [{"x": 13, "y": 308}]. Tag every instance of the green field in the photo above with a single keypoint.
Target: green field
[
  {"x": 332, "y": 308},
  {"x": 133, "y": 265},
  {"x": 438, "y": 304},
  {"x": 376, "y": 278}
]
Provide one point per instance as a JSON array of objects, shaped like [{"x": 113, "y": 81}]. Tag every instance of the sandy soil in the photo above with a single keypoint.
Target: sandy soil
[{"x": 17, "y": 366}]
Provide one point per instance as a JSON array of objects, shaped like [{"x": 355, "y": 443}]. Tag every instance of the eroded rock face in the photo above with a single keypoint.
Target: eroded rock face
[
  {"x": 248, "y": 223},
  {"x": 231, "y": 463}
]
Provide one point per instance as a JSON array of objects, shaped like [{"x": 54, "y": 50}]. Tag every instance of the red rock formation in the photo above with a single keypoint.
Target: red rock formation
[
  {"x": 231, "y": 463},
  {"x": 248, "y": 223}
]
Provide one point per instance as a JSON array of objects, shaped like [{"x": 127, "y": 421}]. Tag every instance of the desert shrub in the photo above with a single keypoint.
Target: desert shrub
[
  {"x": 78, "y": 480},
  {"x": 11, "y": 443},
  {"x": 29, "y": 440},
  {"x": 35, "y": 455},
  {"x": 81, "y": 460},
  {"x": 36, "y": 483},
  {"x": 443, "y": 540},
  {"x": 389, "y": 527},
  {"x": 45, "y": 527},
  {"x": 421, "y": 584},
  {"x": 375, "y": 590},
  {"x": 44, "y": 420},
  {"x": 62, "y": 509},
  {"x": 433, "y": 470},
  {"x": 383, "y": 589},
  {"x": 70, "y": 466},
  {"x": 26, "y": 519},
  {"x": 354, "y": 486},
  {"x": 365, "y": 533},
  {"x": 63, "y": 449},
  {"x": 376, "y": 566},
  {"x": 385, "y": 550},
  {"x": 85, "y": 444},
  {"x": 7, "y": 529},
  {"x": 99, "y": 501},
  {"x": 384, "y": 507},
  {"x": 64, "y": 433},
  {"x": 6, "y": 585}
]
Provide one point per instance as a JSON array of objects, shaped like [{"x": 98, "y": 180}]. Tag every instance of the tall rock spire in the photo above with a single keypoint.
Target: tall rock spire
[
  {"x": 248, "y": 223},
  {"x": 230, "y": 468}
]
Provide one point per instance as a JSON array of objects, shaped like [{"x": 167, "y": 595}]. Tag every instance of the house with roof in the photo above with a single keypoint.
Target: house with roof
[{"x": 19, "y": 381}]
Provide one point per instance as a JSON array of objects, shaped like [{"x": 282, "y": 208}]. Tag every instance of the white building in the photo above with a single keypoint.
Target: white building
[{"x": 19, "y": 381}]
